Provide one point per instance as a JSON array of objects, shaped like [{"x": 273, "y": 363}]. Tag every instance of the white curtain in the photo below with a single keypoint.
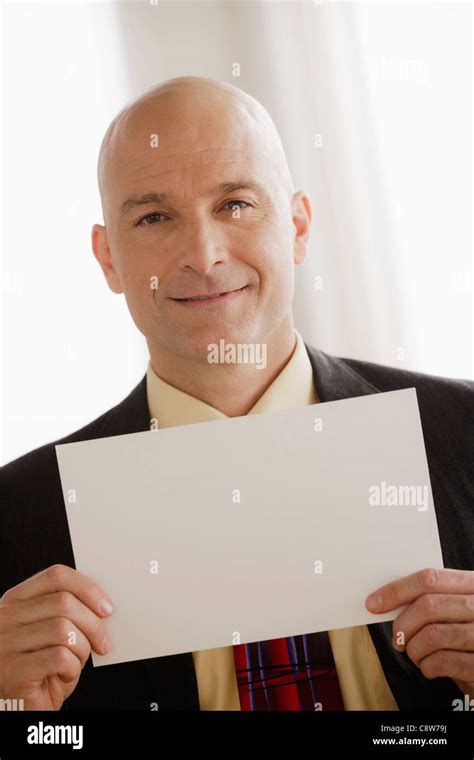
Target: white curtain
[{"x": 373, "y": 103}]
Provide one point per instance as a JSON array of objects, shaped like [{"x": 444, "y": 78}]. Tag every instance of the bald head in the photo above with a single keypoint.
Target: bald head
[
  {"x": 190, "y": 115},
  {"x": 198, "y": 200}
]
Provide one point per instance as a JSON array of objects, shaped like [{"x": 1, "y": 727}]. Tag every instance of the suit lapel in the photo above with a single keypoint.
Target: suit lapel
[{"x": 334, "y": 379}]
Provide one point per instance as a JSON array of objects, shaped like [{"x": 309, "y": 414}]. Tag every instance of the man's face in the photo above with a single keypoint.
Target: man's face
[{"x": 203, "y": 238}]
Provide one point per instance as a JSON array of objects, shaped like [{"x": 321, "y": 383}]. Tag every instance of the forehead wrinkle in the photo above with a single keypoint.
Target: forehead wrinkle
[
  {"x": 203, "y": 150},
  {"x": 150, "y": 178},
  {"x": 182, "y": 168},
  {"x": 150, "y": 170},
  {"x": 188, "y": 159}
]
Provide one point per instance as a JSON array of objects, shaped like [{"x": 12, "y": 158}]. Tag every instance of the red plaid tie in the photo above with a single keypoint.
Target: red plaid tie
[{"x": 293, "y": 673}]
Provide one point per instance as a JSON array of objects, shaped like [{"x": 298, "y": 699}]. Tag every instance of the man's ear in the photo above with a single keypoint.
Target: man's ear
[
  {"x": 301, "y": 218},
  {"x": 103, "y": 255}
]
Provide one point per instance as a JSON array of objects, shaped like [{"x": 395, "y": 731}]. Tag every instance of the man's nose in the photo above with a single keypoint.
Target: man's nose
[{"x": 203, "y": 245}]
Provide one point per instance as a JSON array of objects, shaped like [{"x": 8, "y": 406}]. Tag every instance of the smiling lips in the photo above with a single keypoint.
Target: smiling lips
[{"x": 208, "y": 299}]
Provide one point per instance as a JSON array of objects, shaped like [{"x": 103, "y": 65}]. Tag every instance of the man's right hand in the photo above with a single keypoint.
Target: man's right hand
[{"x": 48, "y": 625}]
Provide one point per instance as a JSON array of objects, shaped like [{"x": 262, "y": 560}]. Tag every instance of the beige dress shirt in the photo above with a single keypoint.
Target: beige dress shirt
[{"x": 361, "y": 678}]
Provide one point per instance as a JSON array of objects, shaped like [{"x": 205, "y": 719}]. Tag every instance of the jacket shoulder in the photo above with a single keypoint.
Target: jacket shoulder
[
  {"x": 430, "y": 388},
  {"x": 446, "y": 409}
]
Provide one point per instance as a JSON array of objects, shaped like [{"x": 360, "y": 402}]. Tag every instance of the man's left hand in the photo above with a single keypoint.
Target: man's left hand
[{"x": 437, "y": 626}]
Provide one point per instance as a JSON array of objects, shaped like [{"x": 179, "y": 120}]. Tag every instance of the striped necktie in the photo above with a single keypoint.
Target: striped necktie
[{"x": 293, "y": 673}]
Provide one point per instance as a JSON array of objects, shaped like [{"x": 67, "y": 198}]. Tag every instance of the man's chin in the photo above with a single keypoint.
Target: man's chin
[{"x": 210, "y": 340}]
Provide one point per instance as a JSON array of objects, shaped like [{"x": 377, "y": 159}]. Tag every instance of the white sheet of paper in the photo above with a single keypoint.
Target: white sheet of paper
[{"x": 210, "y": 534}]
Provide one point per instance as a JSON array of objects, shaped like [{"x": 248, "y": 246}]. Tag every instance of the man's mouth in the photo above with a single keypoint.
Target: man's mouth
[{"x": 216, "y": 297}]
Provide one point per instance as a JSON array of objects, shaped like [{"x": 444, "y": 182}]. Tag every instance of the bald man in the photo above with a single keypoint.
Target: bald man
[
  {"x": 230, "y": 224},
  {"x": 202, "y": 231}
]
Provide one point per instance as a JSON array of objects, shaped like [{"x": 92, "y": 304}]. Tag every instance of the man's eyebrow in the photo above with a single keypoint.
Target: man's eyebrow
[{"x": 223, "y": 187}]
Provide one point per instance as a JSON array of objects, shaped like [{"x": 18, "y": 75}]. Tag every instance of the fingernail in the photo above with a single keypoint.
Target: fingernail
[
  {"x": 105, "y": 643},
  {"x": 374, "y": 601},
  {"x": 106, "y": 607}
]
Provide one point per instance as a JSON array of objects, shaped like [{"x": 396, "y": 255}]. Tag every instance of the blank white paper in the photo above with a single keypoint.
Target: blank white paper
[{"x": 251, "y": 528}]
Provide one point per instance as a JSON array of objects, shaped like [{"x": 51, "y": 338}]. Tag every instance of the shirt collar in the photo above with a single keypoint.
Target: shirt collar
[{"x": 293, "y": 387}]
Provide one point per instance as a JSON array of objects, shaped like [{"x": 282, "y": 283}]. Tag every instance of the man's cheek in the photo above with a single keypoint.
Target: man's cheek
[
  {"x": 138, "y": 275},
  {"x": 140, "y": 295}
]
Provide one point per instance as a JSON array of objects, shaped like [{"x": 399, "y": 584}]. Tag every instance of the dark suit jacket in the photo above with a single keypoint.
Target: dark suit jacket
[{"x": 34, "y": 530}]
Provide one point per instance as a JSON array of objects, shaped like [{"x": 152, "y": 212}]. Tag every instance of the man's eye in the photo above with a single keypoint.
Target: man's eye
[
  {"x": 143, "y": 222},
  {"x": 139, "y": 223},
  {"x": 232, "y": 204}
]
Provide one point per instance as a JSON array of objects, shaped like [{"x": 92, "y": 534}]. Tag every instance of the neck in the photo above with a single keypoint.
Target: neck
[{"x": 233, "y": 389}]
